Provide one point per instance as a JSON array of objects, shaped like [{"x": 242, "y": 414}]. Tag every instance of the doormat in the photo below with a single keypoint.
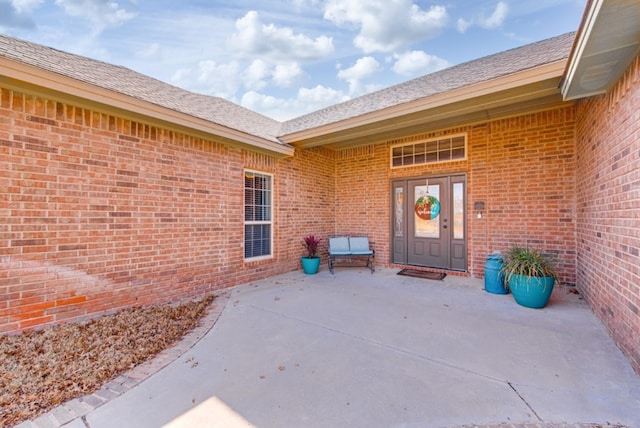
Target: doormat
[{"x": 438, "y": 276}]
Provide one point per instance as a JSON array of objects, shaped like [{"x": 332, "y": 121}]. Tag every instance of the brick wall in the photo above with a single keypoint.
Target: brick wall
[
  {"x": 526, "y": 176},
  {"x": 362, "y": 200},
  {"x": 608, "y": 201},
  {"x": 523, "y": 168},
  {"x": 306, "y": 204},
  {"x": 100, "y": 212}
]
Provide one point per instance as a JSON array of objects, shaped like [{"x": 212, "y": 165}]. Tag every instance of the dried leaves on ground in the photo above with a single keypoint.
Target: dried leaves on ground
[{"x": 42, "y": 369}]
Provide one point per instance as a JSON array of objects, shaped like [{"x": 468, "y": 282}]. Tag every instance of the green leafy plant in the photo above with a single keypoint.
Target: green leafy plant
[
  {"x": 310, "y": 242},
  {"x": 527, "y": 262}
]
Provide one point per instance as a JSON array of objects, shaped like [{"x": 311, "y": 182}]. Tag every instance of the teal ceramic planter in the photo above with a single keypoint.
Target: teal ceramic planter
[
  {"x": 493, "y": 278},
  {"x": 310, "y": 266},
  {"x": 531, "y": 292}
]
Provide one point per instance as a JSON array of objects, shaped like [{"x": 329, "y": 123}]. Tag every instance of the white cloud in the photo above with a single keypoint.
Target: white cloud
[
  {"x": 253, "y": 38},
  {"x": 495, "y": 20},
  {"x": 306, "y": 101},
  {"x": 221, "y": 80},
  {"x": 497, "y": 17},
  {"x": 260, "y": 102},
  {"x": 17, "y": 13},
  {"x": 101, "y": 13},
  {"x": 386, "y": 25},
  {"x": 255, "y": 76},
  {"x": 463, "y": 25},
  {"x": 305, "y": 3},
  {"x": 417, "y": 63},
  {"x": 363, "y": 68},
  {"x": 287, "y": 75},
  {"x": 259, "y": 74},
  {"x": 320, "y": 97},
  {"x": 25, "y": 6}
]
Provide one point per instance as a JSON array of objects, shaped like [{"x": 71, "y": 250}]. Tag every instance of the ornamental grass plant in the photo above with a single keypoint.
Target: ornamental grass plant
[{"x": 527, "y": 261}]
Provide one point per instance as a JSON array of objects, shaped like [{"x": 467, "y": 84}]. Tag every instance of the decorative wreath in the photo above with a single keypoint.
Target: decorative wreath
[{"x": 427, "y": 207}]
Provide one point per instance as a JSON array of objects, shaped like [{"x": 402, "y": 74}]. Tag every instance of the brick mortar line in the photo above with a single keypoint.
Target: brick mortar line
[{"x": 81, "y": 406}]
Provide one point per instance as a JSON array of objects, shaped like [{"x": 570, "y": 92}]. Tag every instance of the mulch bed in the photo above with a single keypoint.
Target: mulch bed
[{"x": 42, "y": 369}]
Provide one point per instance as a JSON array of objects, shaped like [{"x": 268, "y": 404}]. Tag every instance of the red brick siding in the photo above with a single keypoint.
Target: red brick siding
[
  {"x": 608, "y": 201},
  {"x": 362, "y": 200},
  {"x": 306, "y": 201},
  {"x": 523, "y": 168},
  {"x": 527, "y": 181},
  {"x": 101, "y": 212}
]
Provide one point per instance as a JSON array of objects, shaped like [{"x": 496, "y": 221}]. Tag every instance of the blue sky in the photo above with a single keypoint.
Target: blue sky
[{"x": 286, "y": 58}]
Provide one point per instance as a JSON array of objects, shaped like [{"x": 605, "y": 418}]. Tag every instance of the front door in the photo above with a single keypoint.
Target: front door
[{"x": 429, "y": 222}]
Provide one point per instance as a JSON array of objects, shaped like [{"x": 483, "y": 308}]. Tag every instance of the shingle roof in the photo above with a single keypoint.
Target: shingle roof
[
  {"x": 128, "y": 82},
  {"x": 222, "y": 112},
  {"x": 469, "y": 73}
]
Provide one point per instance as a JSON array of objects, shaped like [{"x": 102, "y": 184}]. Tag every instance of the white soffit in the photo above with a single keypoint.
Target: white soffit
[{"x": 607, "y": 41}]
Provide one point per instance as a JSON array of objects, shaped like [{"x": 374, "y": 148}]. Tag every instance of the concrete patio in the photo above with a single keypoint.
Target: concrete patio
[{"x": 361, "y": 350}]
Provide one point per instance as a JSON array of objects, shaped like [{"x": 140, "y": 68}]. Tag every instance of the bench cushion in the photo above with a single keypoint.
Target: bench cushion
[
  {"x": 339, "y": 246},
  {"x": 359, "y": 246},
  {"x": 356, "y": 246}
]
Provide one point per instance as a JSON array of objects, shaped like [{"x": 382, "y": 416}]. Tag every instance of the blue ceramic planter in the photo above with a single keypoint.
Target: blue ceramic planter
[
  {"x": 310, "y": 266},
  {"x": 531, "y": 292},
  {"x": 493, "y": 277}
]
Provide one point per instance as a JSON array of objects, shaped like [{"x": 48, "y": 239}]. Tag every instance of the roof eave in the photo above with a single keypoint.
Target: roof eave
[
  {"x": 27, "y": 75},
  {"x": 552, "y": 70},
  {"x": 607, "y": 41}
]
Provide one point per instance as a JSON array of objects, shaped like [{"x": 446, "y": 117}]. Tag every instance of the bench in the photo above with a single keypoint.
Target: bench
[{"x": 349, "y": 247}]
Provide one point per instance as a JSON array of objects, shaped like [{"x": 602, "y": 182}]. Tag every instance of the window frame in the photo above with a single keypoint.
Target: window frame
[
  {"x": 269, "y": 222},
  {"x": 426, "y": 152}
]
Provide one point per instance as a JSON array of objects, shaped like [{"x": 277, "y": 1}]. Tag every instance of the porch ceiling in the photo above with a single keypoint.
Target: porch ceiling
[{"x": 507, "y": 96}]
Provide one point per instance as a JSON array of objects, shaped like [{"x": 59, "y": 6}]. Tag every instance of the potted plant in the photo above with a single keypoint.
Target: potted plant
[
  {"x": 529, "y": 275},
  {"x": 311, "y": 262}
]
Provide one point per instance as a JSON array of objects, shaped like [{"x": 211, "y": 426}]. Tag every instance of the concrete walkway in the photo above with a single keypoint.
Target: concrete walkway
[{"x": 382, "y": 350}]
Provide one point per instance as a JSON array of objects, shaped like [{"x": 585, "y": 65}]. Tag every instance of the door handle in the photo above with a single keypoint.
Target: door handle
[{"x": 444, "y": 227}]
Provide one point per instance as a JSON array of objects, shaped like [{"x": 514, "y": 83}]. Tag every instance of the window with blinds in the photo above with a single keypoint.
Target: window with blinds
[{"x": 258, "y": 215}]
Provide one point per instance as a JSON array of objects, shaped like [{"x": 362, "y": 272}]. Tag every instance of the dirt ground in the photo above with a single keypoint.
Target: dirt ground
[{"x": 42, "y": 369}]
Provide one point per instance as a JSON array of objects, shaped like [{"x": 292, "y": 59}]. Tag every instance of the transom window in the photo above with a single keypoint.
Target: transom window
[
  {"x": 431, "y": 151},
  {"x": 258, "y": 207}
]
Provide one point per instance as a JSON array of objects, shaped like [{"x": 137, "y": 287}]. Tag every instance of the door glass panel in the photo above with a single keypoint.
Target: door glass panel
[
  {"x": 399, "y": 207},
  {"x": 458, "y": 211},
  {"x": 427, "y": 211}
]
